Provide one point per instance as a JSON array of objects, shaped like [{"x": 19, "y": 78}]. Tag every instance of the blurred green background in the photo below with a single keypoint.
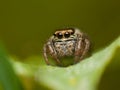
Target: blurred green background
[{"x": 26, "y": 24}]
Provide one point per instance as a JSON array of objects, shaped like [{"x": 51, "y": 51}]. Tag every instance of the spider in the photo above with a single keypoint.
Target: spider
[{"x": 65, "y": 43}]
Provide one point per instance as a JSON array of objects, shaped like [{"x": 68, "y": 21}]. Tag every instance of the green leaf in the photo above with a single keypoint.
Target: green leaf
[
  {"x": 85, "y": 75},
  {"x": 101, "y": 71},
  {"x": 8, "y": 79}
]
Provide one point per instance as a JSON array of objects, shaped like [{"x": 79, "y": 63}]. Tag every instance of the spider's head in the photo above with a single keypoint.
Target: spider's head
[{"x": 64, "y": 33}]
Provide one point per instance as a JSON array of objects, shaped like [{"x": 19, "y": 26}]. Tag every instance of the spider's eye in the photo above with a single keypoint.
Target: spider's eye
[
  {"x": 59, "y": 35},
  {"x": 67, "y": 34}
]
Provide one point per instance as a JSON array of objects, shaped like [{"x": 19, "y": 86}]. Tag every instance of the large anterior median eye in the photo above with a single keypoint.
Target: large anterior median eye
[
  {"x": 59, "y": 35},
  {"x": 67, "y": 35}
]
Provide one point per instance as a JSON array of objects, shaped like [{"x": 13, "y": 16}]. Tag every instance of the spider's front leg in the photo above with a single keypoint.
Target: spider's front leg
[
  {"x": 48, "y": 48},
  {"x": 45, "y": 54},
  {"x": 86, "y": 48},
  {"x": 82, "y": 47}
]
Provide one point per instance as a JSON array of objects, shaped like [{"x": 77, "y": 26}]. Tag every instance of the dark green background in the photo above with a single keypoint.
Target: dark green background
[{"x": 26, "y": 24}]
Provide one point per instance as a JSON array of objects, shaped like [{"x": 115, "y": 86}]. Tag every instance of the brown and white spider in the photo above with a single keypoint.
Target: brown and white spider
[{"x": 66, "y": 42}]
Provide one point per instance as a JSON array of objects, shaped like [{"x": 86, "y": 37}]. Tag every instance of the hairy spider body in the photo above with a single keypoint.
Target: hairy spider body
[{"x": 67, "y": 42}]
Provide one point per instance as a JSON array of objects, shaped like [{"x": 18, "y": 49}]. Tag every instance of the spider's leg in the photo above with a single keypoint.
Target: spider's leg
[
  {"x": 78, "y": 50},
  {"x": 45, "y": 54},
  {"x": 53, "y": 52},
  {"x": 86, "y": 48},
  {"x": 82, "y": 47}
]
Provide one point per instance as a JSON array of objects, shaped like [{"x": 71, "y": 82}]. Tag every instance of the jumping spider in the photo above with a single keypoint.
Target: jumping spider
[{"x": 67, "y": 42}]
